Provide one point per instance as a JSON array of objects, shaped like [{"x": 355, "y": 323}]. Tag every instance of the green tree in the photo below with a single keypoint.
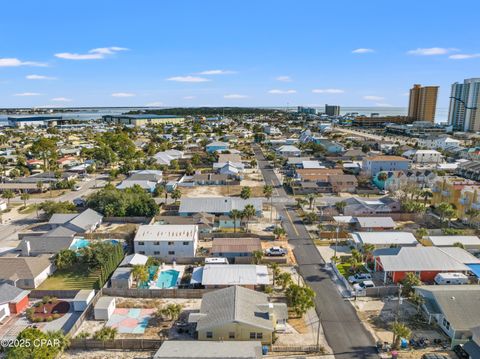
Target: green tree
[
  {"x": 268, "y": 193},
  {"x": 57, "y": 343},
  {"x": 25, "y": 197},
  {"x": 257, "y": 257},
  {"x": 8, "y": 195},
  {"x": 274, "y": 267},
  {"x": 311, "y": 200},
  {"x": 235, "y": 215},
  {"x": 446, "y": 212},
  {"x": 248, "y": 213},
  {"x": 410, "y": 281},
  {"x": 105, "y": 334},
  {"x": 46, "y": 149},
  {"x": 176, "y": 194},
  {"x": 340, "y": 206},
  {"x": 172, "y": 311},
  {"x": 310, "y": 218},
  {"x": 246, "y": 193},
  {"x": 50, "y": 207},
  {"x": 421, "y": 232},
  {"x": 65, "y": 259},
  {"x": 400, "y": 331},
  {"x": 284, "y": 279},
  {"x": 300, "y": 298},
  {"x": 140, "y": 273},
  {"x": 426, "y": 194},
  {"x": 279, "y": 232},
  {"x": 459, "y": 245}
]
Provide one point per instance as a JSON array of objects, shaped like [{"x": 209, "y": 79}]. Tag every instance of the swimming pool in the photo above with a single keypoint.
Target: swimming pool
[
  {"x": 165, "y": 279},
  {"x": 82, "y": 243}
]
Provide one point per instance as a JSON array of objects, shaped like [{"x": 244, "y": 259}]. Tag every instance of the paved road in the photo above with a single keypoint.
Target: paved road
[
  {"x": 344, "y": 331},
  {"x": 16, "y": 222}
]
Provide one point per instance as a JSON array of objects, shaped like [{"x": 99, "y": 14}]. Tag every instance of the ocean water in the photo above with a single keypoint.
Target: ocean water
[{"x": 96, "y": 113}]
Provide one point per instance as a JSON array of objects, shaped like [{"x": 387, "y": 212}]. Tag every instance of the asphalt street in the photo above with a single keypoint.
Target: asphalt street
[{"x": 343, "y": 330}]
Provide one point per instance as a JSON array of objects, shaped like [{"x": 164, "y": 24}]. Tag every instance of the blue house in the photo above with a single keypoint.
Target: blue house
[
  {"x": 216, "y": 146},
  {"x": 329, "y": 146}
]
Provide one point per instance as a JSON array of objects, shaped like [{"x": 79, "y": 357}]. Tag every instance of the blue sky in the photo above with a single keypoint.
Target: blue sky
[{"x": 211, "y": 53}]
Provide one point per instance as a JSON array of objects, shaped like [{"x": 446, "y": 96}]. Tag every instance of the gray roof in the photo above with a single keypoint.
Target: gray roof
[
  {"x": 384, "y": 238},
  {"x": 183, "y": 349},
  {"x": 133, "y": 259},
  {"x": 9, "y": 293},
  {"x": 441, "y": 241},
  {"x": 376, "y": 222},
  {"x": 61, "y": 218},
  {"x": 122, "y": 273},
  {"x": 459, "y": 304},
  {"x": 233, "y": 305},
  {"x": 12, "y": 268},
  {"x": 217, "y": 204},
  {"x": 51, "y": 242},
  {"x": 425, "y": 259},
  {"x": 232, "y": 274},
  {"x": 104, "y": 302},
  {"x": 86, "y": 219}
]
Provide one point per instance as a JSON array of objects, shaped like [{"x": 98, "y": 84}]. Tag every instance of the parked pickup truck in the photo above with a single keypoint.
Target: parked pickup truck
[
  {"x": 359, "y": 277},
  {"x": 275, "y": 252},
  {"x": 364, "y": 285}
]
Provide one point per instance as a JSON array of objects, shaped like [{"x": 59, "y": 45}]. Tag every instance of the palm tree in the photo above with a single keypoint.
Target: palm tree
[
  {"x": 472, "y": 214},
  {"x": 367, "y": 251},
  {"x": 257, "y": 257},
  {"x": 268, "y": 193},
  {"x": 25, "y": 197},
  {"x": 176, "y": 194},
  {"x": 249, "y": 212},
  {"x": 311, "y": 200},
  {"x": 172, "y": 311},
  {"x": 140, "y": 273},
  {"x": 275, "y": 271},
  {"x": 246, "y": 193},
  {"x": 421, "y": 232},
  {"x": 8, "y": 195},
  {"x": 400, "y": 331},
  {"x": 426, "y": 193},
  {"x": 235, "y": 214}
]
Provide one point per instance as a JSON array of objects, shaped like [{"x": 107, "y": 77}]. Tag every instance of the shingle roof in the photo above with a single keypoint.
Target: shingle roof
[
  {"x": 451, "y": 240},
  {"x": 217, "y": 204},
  {"x": 22, "y": 267},
  {"x": 385, "y": 238},
  {"x": 376, "y": 222},
  {"x": 459, "y": 304},
  {"x": 234, "y": 274},
  {"x": 86, "y": 219},
  {"x": 236, "y": 245},
  {"x": 233, "y": 304},
  {"x": 9, "y": 293}
]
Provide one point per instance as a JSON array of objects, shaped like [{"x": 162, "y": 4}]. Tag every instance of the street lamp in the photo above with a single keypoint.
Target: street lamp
[{"x": 336, "y": 241}]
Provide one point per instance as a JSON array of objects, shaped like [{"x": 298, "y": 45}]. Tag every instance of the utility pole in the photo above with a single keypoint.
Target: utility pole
[
  {"x": 318, "y": 330},
  {"x": 336, "y": 241}
]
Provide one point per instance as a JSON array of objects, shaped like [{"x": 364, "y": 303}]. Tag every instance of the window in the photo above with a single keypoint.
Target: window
[
  {"x": 156, "y": 253},
  {"x": 170, "y": 243},
  {"x": 209, "y": 335},
  {"x": 446, "y": 324},
  {"x": 231, "y": 335},
  {"x": 252, "y": 335},
  {"x": 157, "y": 243},
  {"x": 141, "y": 252},
  {"x": 186, "y": 243},
  {"x": 259, "y": 335},
  {"x": 141, "y": 243},
  {"x": 171, "y": 253}
]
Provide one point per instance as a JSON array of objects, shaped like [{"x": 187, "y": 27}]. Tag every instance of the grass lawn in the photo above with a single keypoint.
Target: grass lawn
[
  {"x": 77, "y": 277},
  {"x": 343, "y": 268}
]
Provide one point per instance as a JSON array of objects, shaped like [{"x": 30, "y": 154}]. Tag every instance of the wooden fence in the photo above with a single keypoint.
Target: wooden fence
[
  {"x": 296, "y": 349},
  {"x": 131, "y": 344},
  {"x": 38, "y": 294},
  {"x": 155, "y": 293},
  {"x": 139, "y": 219},
  {"x": 382, "y": 291}
]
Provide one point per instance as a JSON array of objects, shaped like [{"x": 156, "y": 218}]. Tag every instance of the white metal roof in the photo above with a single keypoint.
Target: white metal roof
[
  {"x": 167, "y": 232},
  {"x": 385, "y": 238}
]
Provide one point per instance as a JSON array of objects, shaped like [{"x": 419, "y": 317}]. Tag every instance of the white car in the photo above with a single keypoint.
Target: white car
[
  {"x": 276, "y": 252},
  {"x": 77, "y": 187},
  {"x": 359, "y": 277},
  {"x": 364, "y": 285}
]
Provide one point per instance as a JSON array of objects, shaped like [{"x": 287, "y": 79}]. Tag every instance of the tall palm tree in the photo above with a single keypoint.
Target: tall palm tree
[
  {"x": 311, "y": 200},
  {"x": 249, "y": 212},
  {"x": 8, "y": 195},
  {"x": 268, "y": 193},
  {"x": 235, "y": 214},
  {"x": 426, "y": 193},
  {"x": 25, "y": 197}
]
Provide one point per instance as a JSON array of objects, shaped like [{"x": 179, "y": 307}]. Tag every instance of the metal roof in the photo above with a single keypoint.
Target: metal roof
[
  {"x": 217, "y": 204},
  {"x": 189, "y": 349},
  {"x": 235, "y": 274},
  {"x": 384, "y": 238}
]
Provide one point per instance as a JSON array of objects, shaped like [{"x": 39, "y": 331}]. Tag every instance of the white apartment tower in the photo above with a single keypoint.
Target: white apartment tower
[{"x": 464, "y": 111}]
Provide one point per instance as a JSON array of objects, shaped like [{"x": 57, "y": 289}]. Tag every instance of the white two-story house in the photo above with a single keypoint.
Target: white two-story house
[{"x": 166, "y": 241}]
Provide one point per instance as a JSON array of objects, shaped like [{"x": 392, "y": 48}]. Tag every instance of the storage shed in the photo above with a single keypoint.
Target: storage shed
[
  {"x": 82, "y": 299},
  {"x": 104, "y": 308}
]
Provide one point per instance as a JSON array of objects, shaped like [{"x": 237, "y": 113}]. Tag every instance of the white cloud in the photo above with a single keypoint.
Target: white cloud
[
  {"x": 431, "y": 51},
  {"x": 216, "y": 72},
  {"x": 155, "y": 104},
  {"x": 463, "y": 56},
  {"x": 189, "y": 97},
  {"x": 380, "y": 104},
  {"x": 28, "y": 94},
  {"x": 329, "y": 91},
  {"x": 235, "y": 96},
  {"x": 93, "y": 54},
  {"x": 284, "y": 78},
  {"x": 362, "y": 50},
  {"x": 39, "y": 77},
  {"x": 61, "y": 99},
  {"x": 14, "y": 62},
  {"x": 188, "y": 79},
  {"x": 123, "y": 94},
  {"x": 282, "y": 92},
  {"x": 373, "y": 98}
]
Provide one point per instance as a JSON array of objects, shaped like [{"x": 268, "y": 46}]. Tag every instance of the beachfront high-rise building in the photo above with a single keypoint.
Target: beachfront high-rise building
[
  {"x": 423, "y": 103},
  {"x": 332, "y": 110},
  {"x": 464, "y": 102}
]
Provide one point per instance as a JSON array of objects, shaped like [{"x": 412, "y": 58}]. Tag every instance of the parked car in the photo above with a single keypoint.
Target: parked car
[
  {"x": 77, "y": 187},
  {"x": 363, "y": 285},
  {"x": 462, "y": 354},
  {"x": 276, "y": 252},
  {"x": 435, "y": 356},
  {"x": 270, "y": 228},
  {"x": 359, "y": 277}
]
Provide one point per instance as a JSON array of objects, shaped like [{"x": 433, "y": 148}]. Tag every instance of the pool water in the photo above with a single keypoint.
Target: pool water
[
  {"x": 166, "y": 279},
  {"x": 79, "y": 243}
]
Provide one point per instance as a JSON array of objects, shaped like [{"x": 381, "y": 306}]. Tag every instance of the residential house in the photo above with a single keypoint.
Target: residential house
[
  {"x": 166, "y": 157},
  {"x": 228, "y": 222},
  {"x": 204, "y": 221},
  {"x": 425, "y": 262},
  {"x": 469, "y": 170},
  {"x": 472, "y": 347},
  {"x": 469, "y": 243},
  {"x": 13, "y": 300},
  {"x": 217, "y": 146},
  {"x": 232, "y": 248},
  {"x": 237, "y": 313},
  {"x": 218, "y": 205},
  {"x": 375, "y": 164},
  {"x": 25, "y": 272},
  {"x": 84, "y": 222},
  {"x": 383, "y": 239},
  {"x": 122, "y": 278},
  {"x": 454, "y": 308},
  {"x": 423, "y": 156},
  {"x": 356, "y": 206},
  {"x": 289, "y": 151},
  {"x": 343, "y": 183},
  {"x": 435, "y": 142},
  {"x": 195, "y": 349},
  {"x": 317, "y": 174},
  {"x": 166, "y": 241},
  {"x": 51, "y": 242},
  {"x": 224, "y": 275}
]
